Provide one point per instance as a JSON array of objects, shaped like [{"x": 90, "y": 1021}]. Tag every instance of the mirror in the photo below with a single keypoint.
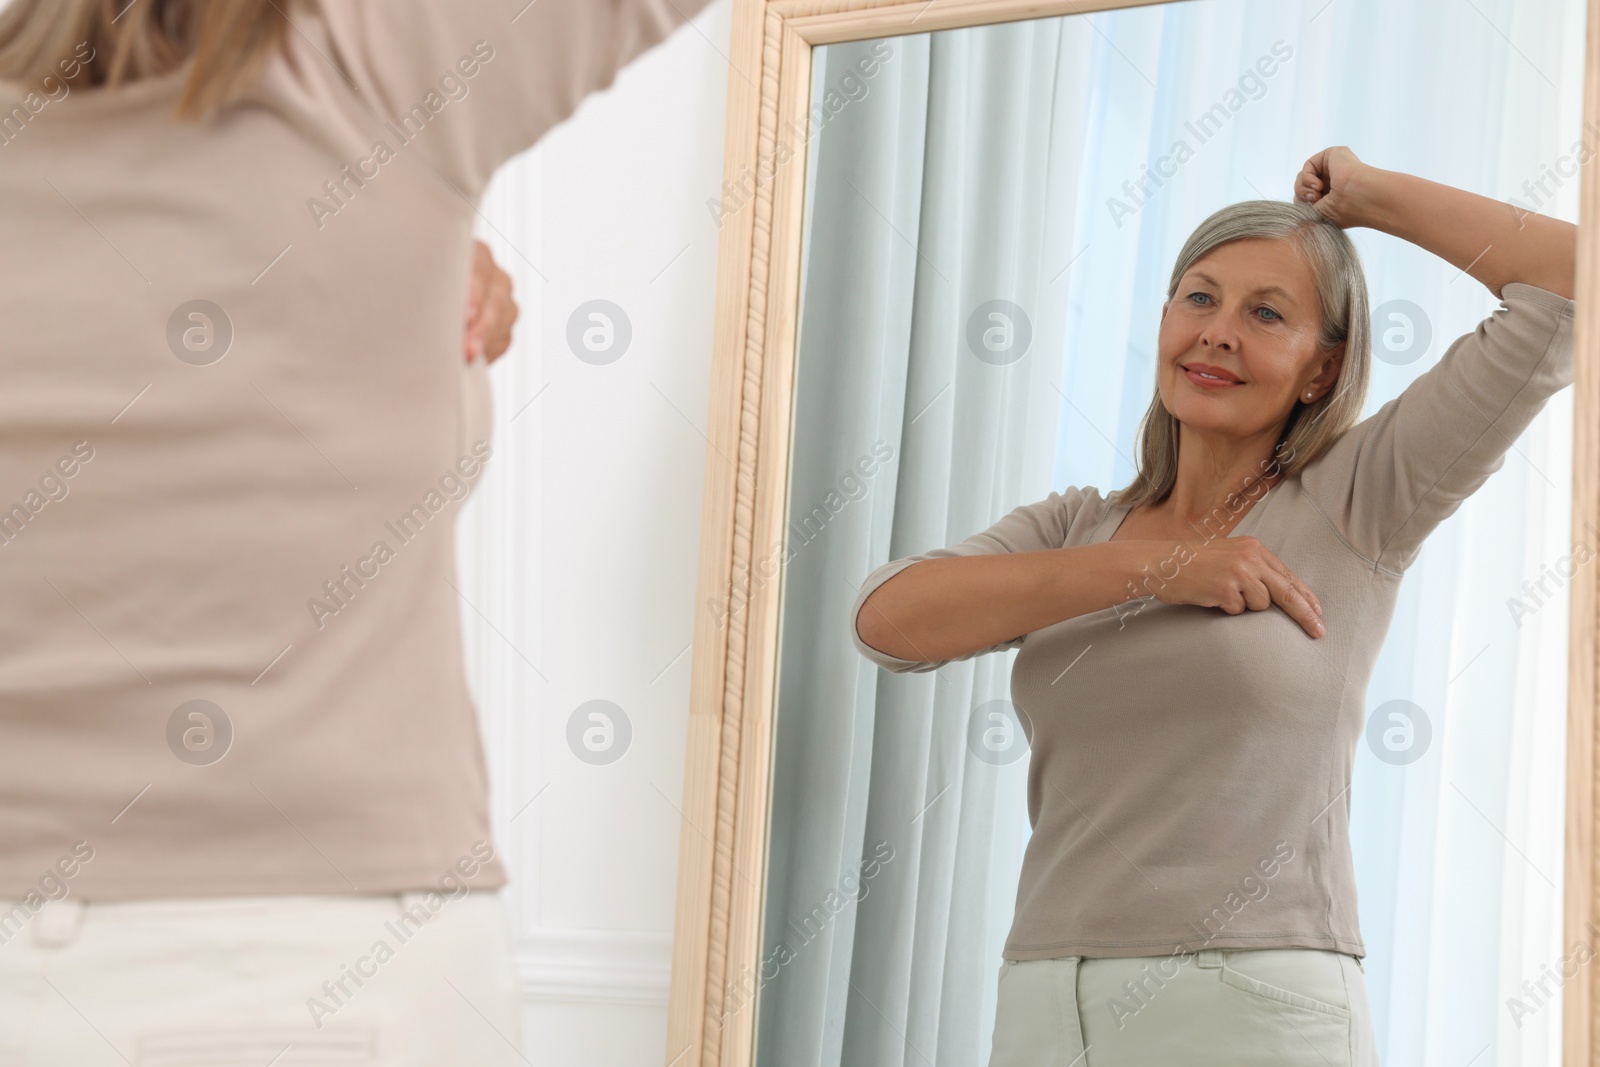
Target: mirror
[{"x": 973, "y": 245}]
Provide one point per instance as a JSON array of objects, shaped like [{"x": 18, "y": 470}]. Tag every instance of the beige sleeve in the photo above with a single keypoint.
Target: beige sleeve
[
  {"x": 1391, "y": 479},
  {"x": 1030, "y": 528},
  {"x": 485, "y": 79}
]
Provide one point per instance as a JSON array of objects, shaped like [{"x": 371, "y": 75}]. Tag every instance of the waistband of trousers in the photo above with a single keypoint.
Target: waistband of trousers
[{"x": 57, "y": 923}]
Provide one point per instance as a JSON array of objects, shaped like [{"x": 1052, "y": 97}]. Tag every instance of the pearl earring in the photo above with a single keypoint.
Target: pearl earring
[{"x": 1308, "y": 396}]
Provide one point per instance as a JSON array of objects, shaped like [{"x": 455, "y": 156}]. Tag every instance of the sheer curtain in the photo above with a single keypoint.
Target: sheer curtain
[
  {"x": 942, "y": 190},
  {"x": 1058, "y": 165}
]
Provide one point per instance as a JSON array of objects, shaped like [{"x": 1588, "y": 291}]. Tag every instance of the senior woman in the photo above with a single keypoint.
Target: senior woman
[
  {"x": 1188, "y": 893},
  {"x": 243, "y": 808}
]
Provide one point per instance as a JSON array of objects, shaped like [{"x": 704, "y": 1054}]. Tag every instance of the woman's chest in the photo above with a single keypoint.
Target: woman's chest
[{"x": 1151, "y": 664}]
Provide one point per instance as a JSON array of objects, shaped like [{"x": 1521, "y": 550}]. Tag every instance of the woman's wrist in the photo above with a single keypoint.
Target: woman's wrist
[
  {"x": 1139, "y": 567},
  {"x": 1369, "y": 204}
]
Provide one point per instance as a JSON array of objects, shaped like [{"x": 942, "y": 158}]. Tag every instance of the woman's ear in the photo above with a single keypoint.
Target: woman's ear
[{"x": 1332, "y": 364}]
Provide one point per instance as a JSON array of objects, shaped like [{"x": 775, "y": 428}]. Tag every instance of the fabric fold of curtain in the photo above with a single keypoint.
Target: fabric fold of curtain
[{"x": 928, "y": 346}]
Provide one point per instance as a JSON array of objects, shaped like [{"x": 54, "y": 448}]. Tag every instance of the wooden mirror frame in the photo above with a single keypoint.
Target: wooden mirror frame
[{"x": 727, "y": 779}]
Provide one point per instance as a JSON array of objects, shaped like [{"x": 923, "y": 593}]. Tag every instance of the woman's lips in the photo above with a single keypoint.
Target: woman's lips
[{"x": 1209, "y": 383}]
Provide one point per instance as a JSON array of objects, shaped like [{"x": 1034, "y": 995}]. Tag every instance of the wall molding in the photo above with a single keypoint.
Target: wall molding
[{"x": 595, "y": 966}]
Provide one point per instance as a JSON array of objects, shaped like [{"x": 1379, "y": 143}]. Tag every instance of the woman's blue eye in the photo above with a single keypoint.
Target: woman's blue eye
[{"x": 1275, "y": 316}]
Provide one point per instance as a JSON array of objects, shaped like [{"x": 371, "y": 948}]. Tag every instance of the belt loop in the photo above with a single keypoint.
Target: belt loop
[
  {"x": 58, "y": 922},
  {"x": 1210, "y": 957}
]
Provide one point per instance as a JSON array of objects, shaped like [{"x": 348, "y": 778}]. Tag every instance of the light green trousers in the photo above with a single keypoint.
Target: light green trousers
[{"x": 1274, "y": 1007}]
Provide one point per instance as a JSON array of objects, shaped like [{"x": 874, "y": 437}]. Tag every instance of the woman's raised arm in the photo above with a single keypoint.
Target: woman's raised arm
[
  {"x": 1392, "y": 479},
  {"x": 1492, "y": 240}
]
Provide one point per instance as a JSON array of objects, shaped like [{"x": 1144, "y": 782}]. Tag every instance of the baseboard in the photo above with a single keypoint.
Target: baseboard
[{"x": 595, "y": 966}]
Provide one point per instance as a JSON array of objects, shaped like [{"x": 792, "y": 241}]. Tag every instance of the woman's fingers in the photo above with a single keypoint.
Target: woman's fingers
[
  {"x": 1238, "y": 574},
  {"x": 490, "y": 311},
  {"x": 501, "y": 315},
  {"x": 1313, "y": 170},
  {"x": 1286, "y": 592},
  {"x": 1316, "y": 179},
  {"x": 1293, "y": 595},
  {"x": 1325, "y": 182},
  {"x": 1257, "y": 595},
  {"x": 1294, "y": 579},
  {"x": 1264, "y": 580},
  {"x": 1312, "y": 181}
]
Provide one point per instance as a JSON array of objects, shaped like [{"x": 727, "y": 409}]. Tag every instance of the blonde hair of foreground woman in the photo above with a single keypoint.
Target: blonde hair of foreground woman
[
  {"x": 1341, "y": 286},
  {"x": 118, "y": 41}
]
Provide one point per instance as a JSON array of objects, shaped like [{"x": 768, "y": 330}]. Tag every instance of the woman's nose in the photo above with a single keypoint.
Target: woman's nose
[{"x": 1219, "y": 334}]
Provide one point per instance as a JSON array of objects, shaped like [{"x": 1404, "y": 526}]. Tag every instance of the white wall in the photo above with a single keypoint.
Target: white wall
[{"x": 579, "y": 549}]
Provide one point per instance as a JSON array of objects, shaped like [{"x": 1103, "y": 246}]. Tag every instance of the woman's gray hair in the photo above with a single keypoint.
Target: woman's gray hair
[{"x": 1341, "y": 285}]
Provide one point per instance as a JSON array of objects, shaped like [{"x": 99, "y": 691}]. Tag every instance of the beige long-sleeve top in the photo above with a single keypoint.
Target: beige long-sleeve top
[
  {"x": 271, "y": 531},
  {"x": 1189, "y": 775}
]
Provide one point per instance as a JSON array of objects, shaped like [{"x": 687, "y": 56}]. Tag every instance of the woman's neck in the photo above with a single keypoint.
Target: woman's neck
[{"x": 1210, "y": 483}]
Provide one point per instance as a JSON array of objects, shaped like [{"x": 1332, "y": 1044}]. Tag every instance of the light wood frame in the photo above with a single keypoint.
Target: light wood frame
[{"x": 732, "y": 693}]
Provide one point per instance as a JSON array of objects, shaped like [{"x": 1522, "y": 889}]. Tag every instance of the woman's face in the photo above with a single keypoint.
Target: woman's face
[{"x": 1248, "y": 312}]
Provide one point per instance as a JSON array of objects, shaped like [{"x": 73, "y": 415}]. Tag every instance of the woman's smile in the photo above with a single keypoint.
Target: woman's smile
[{"x": 1206, "y": 376}]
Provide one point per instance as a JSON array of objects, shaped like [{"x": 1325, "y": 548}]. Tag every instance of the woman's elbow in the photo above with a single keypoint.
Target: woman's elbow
[{"x": 876, "y": 632}]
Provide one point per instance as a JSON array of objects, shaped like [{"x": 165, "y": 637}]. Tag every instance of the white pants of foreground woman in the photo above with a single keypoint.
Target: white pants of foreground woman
[
  {"x": 390, "y": 980},
  {"x": 1275, "y": 1007}
]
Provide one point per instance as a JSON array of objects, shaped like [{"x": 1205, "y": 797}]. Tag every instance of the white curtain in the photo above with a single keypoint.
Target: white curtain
[
  {"x": 1037, "y": 163},
  {"x": 944, "y": 183}
]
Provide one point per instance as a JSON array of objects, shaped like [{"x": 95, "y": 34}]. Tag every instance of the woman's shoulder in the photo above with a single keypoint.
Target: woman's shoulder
[
  {"x": 483, "y": 89},
  {"x": 1076, "y": 501},
  {"x": 1068, "y": 516},
  {"x": 1392, "y": 477}
]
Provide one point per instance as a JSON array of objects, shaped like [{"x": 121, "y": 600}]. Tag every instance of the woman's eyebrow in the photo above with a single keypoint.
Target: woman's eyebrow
[{"x": 1209, "y": 280}]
